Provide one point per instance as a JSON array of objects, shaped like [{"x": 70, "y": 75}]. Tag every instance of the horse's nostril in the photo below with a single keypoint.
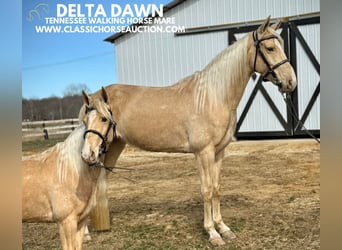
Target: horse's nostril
[
  {"x": 290, "y": 85},
  {"x": 89, "y": 157},
  {"x": 92, "y": 156}
]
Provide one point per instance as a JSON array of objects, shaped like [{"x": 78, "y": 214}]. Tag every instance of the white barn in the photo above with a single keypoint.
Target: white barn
[{"x": 161, "y": 59}]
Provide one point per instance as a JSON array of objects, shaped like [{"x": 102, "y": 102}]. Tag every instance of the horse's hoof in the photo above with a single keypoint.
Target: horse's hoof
[
  {"x": 86, "y": 238},
  {"x": 217, "y": 241},
  {"x": 229, "y": 235}
]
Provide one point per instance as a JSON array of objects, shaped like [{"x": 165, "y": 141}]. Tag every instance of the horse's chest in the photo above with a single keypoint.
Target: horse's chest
[{"x": 224, "y": 136}]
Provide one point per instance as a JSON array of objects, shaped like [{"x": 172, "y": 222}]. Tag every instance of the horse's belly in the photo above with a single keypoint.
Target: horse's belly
[
  {"x": 155, "y": 134},
  {"x": 158, "y": 142},
  {"x": 35, "y": 201},
  {"x": 35, "y": 217},
  {"x": 36, "y": 208}
]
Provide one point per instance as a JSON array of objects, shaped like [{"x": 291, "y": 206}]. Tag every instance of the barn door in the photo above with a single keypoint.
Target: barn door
[
  {"x": 305, "y": 56},
  {"x": 262, "y": 111}
]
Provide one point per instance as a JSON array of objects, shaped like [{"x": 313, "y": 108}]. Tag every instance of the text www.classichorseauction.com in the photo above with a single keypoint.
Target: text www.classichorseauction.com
[{"x": 91, "y": 18}]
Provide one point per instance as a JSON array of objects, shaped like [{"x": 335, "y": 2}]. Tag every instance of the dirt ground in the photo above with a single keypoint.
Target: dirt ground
[{"x": 270, "y": 198}]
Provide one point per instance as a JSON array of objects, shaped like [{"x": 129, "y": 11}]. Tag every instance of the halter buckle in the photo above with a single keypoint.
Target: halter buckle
[{"x": 256, "y": 43}]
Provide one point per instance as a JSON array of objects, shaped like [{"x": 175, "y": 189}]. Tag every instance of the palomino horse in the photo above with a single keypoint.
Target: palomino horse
[
  {"x": 198, "y": 113},
  {"x": 61, "y": 183}
]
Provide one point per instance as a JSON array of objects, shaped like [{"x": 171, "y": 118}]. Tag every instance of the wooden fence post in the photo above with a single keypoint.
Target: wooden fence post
[{"x": 46, "y": 134}]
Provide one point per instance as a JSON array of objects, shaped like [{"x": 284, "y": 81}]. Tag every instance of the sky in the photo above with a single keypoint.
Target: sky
[{"x": 53, "y": 61}]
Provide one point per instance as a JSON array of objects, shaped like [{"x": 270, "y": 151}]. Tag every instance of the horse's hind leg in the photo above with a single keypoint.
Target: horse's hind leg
[
  {"x": 100, "y": 215},
  {"x": 224, "y": 230}
]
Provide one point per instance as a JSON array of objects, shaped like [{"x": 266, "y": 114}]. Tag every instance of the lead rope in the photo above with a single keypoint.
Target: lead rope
[
  {"x": 110, "y": 169},
  {"x": 288, "y": 101}
]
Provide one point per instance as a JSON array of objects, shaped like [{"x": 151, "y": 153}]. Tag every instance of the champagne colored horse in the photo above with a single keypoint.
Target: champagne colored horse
[
  {"x": 60, "y": 184},
  {"x": 198, "y": 113}
]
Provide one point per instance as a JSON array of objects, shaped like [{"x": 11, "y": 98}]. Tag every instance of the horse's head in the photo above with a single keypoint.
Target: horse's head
[
  {"x": 100, "y": 127},
  {"x": 267, "y": 57}
]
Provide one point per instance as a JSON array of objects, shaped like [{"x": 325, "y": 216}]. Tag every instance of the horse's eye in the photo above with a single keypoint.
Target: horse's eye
[
  {"x": 270, "y": 49},
  {"x": 104, "y": 119}
]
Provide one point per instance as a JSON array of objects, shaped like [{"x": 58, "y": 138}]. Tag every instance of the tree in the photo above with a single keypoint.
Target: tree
[
  {"x": 54, "y": 108},
  {"x": 75, "y": 89}
]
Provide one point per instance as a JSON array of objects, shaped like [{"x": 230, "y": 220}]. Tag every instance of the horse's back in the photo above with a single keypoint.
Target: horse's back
[{"x": 121, "y": 94}]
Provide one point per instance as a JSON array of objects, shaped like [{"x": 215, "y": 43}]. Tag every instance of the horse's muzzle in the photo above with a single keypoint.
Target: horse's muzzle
[
  {"x": 284, "y": 87},
  {"x": 89, "y": 158}
]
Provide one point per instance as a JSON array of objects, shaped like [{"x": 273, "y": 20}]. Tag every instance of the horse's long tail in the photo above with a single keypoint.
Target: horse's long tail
[{"x": 100, "y": 214}]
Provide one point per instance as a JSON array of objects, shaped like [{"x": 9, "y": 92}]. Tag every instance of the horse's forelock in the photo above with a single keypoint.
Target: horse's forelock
[
  {"x": 276, "y": 34},
  {"x": 101, "y": 107}
]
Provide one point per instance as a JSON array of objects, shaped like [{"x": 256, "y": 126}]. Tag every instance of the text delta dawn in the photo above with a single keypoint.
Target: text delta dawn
[{"x": 115, "y": 10}]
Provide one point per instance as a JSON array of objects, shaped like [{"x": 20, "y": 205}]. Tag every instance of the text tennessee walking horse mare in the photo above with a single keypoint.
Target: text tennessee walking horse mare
[
  {"x": 198, "y": 113},
  {"x": 60, "y": 184}
]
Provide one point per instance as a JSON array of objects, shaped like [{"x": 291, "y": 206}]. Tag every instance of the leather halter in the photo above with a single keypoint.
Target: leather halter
[
  {"x": 104, "y": 138},
  {"x": 270, "y": 68}
]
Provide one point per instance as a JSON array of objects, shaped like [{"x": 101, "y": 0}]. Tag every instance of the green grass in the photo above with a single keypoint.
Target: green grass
[{"x": 39, "y": 145}]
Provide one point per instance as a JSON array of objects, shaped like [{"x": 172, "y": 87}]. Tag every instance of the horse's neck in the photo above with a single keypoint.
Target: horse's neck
[
  {"x": 69, "y": 159},
  {"x": 224, "y": 79}
]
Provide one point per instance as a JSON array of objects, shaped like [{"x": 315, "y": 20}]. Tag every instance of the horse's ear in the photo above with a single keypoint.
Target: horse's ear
[
  {"x": 85, "y": 98},
  {"x": 276, "y": 25},
  {"x": 264, "y": 25},
  {"x": 104, "y": 95}
]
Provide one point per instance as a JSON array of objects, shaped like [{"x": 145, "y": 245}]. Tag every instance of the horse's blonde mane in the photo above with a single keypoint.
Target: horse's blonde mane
[
  {"x": 69, "y": 154},
  {"x": 226, "y": 70}
]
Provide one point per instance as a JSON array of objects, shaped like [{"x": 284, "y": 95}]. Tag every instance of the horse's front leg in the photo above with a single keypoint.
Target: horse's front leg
[
  {"x": 224, "y": 230},
  {"x": 205, "y": 160},
  {"x": 81, "y": 228},
  {"x": 67, "y": 231},
  {"x": 87, "y": 236}
]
